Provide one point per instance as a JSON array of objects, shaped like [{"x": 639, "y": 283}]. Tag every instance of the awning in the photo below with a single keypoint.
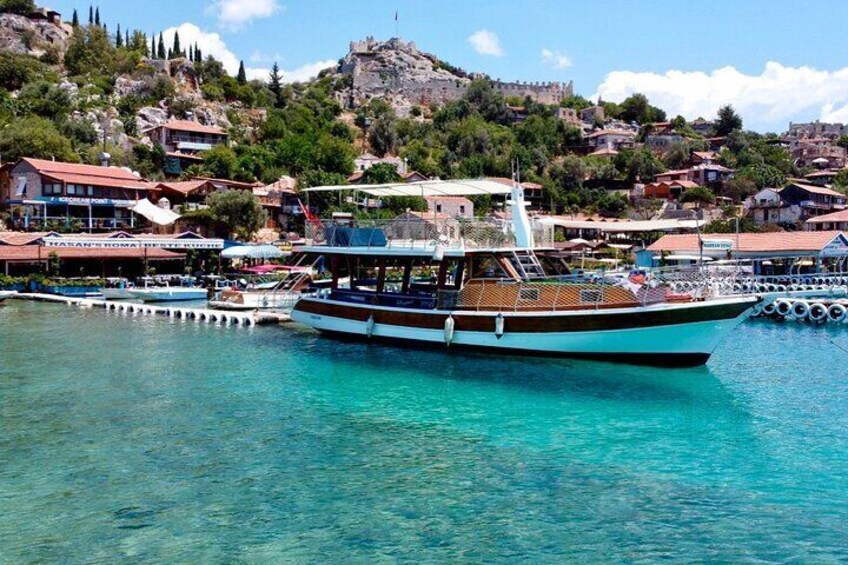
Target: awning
[
  {"x": 251, "y": 252},
  {"x": 468, "y": 187},
  {"x": 623, "y": 226},
  {"x": 154, "y": 213}
]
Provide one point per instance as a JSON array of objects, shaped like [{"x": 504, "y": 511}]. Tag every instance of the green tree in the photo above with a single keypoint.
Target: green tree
[
  {"x": 220, "y": 162},
  {"x": 176, "y": 50},
  {"x": 728, "y": 121},
  {"x": 19, "y": 7},
  {"x": 242, "y": 76},
  {"x": 119, "y": 39},
  {"x": 45, "y": 99},
  {"x": 381, "y": 173},
  {"x": 97, "y": 16},
  {"x": 636, "y": 108},
  {"x": 35, "y": 137},
  {"x": 275, "y": 85},
  {"x": 382, "y": 136},
  {"x": 237, "y": 211},
  {"x": 75, "y": 19},
  {"x": 90, "y": 15},
  {"x": 762, "y": 175},
  {"x": 698, "y": 195},
  {"x": 160, "y": 48}
]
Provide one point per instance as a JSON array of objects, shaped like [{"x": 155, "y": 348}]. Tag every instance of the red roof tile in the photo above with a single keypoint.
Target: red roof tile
[
  {"x": 87, "y": 174},
  {"x": 32, "y": 253},
  {"x": 751, "y": 242},
  {"x": 841, "y": 216},
  {"x": 194, "y": 127}
]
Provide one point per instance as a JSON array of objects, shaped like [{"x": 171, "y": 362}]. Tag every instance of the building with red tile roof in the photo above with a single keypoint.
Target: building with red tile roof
[
  {"x": 761, "y": 245},
  {"x": 100, "y": 197},
  {"x": 184, "y": 142}
]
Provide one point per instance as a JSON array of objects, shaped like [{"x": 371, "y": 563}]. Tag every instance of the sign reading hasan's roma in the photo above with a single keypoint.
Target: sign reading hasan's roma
[{"x": 133, "y": 243}]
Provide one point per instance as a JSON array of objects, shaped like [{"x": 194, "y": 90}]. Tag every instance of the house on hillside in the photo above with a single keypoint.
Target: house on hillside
[
  {"x": 813, "y": 200},
  {"x": 592, "y": 114},
  {"x": 614, "y": 139},
  {"x": 367, "y": 160},
  {"x": 98, "y": 197},
  {"x": 450, "y": 206},
  {"x": 834, "y": 221},
  {"x": 184, "y": 142},
  {"x": 671, "y": 190},
  {"x": 768, "y": 207}
]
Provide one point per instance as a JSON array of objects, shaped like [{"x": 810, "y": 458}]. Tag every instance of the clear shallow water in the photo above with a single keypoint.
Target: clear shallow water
[{"x": 150, "y": 439}]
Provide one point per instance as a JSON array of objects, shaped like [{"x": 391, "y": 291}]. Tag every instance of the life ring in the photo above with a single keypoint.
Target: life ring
[
  {"x": 770, "y": 288},
  {"x": 818, "y": 312},
  {"x": 783, "y": 307},
  {"x": 836, "y": 312},
  {"x": 737, "y": 288},
  {"x": 800, "y": 310}
]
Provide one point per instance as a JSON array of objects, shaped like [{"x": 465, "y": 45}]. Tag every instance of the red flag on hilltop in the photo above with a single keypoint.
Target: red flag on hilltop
[{"x": 309, "y": 215}]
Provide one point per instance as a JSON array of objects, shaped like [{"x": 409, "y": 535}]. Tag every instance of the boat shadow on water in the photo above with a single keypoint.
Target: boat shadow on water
[{"x": 559, "y": 375}]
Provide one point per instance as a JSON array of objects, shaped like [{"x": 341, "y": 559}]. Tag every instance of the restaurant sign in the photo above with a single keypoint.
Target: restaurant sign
[
  {"x": 716, "y": 244},
  {"x": 133, "y": 243},
  {"x": 837, "y": 247}
]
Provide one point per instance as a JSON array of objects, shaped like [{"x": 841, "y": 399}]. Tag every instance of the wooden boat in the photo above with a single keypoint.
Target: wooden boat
[{"x": 490, "y": 292}]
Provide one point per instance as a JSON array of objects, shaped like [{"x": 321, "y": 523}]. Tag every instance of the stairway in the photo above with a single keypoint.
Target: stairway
[{"x": 527, "y": 264}]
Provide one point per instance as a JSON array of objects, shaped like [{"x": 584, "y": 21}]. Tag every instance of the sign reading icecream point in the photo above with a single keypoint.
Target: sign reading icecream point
[{"x": 716, "y": 244}]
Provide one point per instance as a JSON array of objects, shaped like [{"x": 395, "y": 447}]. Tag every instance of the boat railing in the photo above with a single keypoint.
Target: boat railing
[{"x": 424, "y": 230}]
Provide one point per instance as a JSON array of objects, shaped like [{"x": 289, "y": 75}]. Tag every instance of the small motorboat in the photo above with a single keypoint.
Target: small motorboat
[
  {"x": 155, "y": 291},
  {"x": 117, "y": 289}
]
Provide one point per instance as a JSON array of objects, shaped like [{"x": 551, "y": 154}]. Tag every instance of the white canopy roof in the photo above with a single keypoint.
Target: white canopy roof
[
  {"x": 467, "y": 187},
  {"x": 623, "y": 226},
  {"x": 154, "y": 213},
  {"x": 252, "y": 252}
]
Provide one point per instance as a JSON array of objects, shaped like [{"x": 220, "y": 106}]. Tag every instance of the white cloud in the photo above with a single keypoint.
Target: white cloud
[
  {"x": 486, "y": 42},
  {"x": 766, "y": 101},
  {"x": 555, "y": 59},
  {"x": 236, "y": 13},
  {"x": 211, "y": 43}
]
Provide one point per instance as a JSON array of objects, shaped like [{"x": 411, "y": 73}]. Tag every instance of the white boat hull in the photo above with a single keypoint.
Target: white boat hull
[
  {"x": 234, "y": 300},
  {"x": 116, "y": 293},
  {"x": 4, "y": 294},
  {"x": 168, "y": 294},
  {"x": 677, "y": 344}
]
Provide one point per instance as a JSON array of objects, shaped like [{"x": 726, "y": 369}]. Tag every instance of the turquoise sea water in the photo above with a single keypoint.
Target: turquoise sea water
[{"x": 149, "y": 439}]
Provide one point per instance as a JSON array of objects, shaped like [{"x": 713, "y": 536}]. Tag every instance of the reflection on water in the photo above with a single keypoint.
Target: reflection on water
[{"x": 152, "y": 438}]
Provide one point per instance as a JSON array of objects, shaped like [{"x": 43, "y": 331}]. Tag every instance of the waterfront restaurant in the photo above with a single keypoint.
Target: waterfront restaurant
[
  {"x": 771, "y": 253},
  {"x": 103, "y": 254},
  {"x": 98, "y": 197}
]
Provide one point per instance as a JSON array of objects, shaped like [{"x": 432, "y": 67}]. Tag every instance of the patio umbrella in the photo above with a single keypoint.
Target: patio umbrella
[{"x": 252, "y": 252}]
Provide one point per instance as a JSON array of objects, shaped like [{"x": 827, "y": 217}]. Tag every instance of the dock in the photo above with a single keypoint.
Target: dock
[{"x": 208, "y": 315}]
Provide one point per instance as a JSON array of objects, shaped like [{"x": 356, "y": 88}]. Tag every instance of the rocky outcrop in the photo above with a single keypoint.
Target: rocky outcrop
[
  {"x": 149, "y": 117},
  {"x": 398, "y": 72},
  {"x": 24, "y": 36}
]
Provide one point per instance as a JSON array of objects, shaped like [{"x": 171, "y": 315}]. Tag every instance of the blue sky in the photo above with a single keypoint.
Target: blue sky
[{"x": 774, "y": 60}]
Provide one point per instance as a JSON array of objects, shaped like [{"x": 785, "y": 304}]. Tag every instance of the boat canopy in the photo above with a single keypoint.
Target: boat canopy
[{"x": 467, "y": 187}]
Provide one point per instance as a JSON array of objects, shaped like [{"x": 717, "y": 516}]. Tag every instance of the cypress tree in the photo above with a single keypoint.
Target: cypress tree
[
  {"x": 90, "y": 15},
  {"x": 170, "y": 54},
  {"x": 175, "y": 50},
  {"x": 127, "y": 39},
  {"x": 242, "y": 76},
  {"x": 160, "y": 50},
  {"x": 75, "y": 19},
  {"x": 191, "y": 52},
  {"x": 197, "y": 54},
  {"x": 119, "y": 39},
  {"x": 153, "y": 46},
  {"x": 97, "y": 16},
  {"x": 275, "y": 85}
]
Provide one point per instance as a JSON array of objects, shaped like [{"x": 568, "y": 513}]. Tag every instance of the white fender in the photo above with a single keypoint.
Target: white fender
[
  {"x": 369, "y": 326},
  {"x": 783, "y": 307},
  {"x": 818, "y": 312},
  {"x": 836, "y": 312},
  {"x": 769, "y": 309},
  {"x": 499, "y": 325},
  {"x": 800, "y": 310},
  {"x": 449, "y": 329}
]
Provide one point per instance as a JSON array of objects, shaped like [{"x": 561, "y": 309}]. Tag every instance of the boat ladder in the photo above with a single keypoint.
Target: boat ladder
[{"x": 527, "y": 264}]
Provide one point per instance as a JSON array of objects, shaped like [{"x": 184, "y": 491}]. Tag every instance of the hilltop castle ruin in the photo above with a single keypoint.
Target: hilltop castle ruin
[{"x": 398, "y": 68}]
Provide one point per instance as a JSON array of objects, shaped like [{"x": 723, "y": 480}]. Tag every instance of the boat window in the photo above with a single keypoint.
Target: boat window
[
  {"x": 528, "y": 294},
  {"x": 591, "y": 295}
]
